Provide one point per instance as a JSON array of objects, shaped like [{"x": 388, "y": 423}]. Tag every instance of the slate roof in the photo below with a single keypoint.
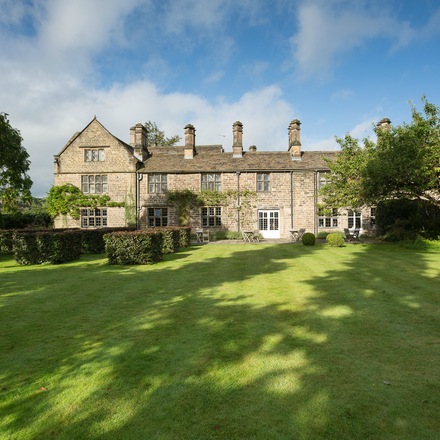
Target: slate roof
[{"x": 211, "y": 158}]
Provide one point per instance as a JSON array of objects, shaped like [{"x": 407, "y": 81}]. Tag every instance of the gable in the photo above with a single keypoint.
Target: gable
[{"x": 95, "y": 149}]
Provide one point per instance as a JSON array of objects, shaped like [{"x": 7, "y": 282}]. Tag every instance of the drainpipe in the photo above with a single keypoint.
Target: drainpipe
[
  {"x": 139, "y": 177},
  {"x": 238, "y": 200},
  {"x": 315, "y": 202},
  {"x": 291, "y": 200}
]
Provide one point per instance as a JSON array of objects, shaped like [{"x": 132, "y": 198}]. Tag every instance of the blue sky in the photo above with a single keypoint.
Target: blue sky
[{"x": 337, "y": 65}]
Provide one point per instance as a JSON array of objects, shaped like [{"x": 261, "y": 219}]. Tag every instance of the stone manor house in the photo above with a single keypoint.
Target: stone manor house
[{"x": 273, "y": 192}]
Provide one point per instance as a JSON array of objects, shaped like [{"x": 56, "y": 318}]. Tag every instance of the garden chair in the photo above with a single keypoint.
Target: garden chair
[
  {"x": 299, "y": 234},
  {"x": 256, "y": 236}
]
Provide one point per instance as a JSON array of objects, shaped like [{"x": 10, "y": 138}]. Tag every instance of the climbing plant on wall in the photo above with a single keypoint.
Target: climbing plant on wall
[
  {"x": 68, "y": 199},
  {"x": 184, "y": 201},
  {"x": 187, "y": 200}
]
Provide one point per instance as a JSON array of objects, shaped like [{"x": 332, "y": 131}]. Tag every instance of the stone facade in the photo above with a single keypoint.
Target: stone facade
[{"x": 272, "y": 192}]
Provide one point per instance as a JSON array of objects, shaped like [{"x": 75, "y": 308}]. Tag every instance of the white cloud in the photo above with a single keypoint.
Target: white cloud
[{"x": 327, "y": 30}]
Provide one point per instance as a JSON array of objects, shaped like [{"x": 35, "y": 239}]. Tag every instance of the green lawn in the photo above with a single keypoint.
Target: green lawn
[{"x": 224, "y": 342}]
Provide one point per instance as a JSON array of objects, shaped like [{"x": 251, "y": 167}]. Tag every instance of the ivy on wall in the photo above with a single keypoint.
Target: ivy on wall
[
  {"x": 68, "y": 199},
  {"x": 186, "y": 200}
]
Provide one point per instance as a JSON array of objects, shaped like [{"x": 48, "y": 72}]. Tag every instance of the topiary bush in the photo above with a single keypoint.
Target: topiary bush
[
  {"x": 308, "y": 239},
  {"x": 335, "y": 239}
]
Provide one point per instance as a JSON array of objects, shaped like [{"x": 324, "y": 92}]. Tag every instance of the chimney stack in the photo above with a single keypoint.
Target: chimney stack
[
  {"x": 190, "y": 141},
  {"x": 294, "y": 131},
  {"x": 384, "y": 124},
  {"x": 237, "y": 146},
  {"x": 138, "y": 140}
]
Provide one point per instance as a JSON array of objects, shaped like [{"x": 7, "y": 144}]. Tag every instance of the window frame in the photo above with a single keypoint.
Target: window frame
[
  {"x": 157, "y": 183},
  {"x": 94, "y": 217},
  {"x": 211, "y": 216},
  {"x": 323, "y": 178},
  {"x": 263, "y": 182},
  {"x": 373, "y": 213},
  {"x": 94, "y": 155},
  {"x": 329, "y": 218},
  {"x": 99, "y": 183},
  {"x": 211, "y": 182},
  {"x": 157, "y": 216},
  {"x": 354, "y": 218}
]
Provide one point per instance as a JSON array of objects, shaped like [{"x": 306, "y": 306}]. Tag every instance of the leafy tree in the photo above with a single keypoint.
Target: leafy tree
[
  {"x": 404, "y": 163},
  {"x": 14, "y": 166},
  {"x": 156, "y": 137}
]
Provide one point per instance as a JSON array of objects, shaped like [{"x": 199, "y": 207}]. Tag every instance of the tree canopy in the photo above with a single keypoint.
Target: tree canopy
[
  {"x": 14, "y": 166},
  {"x": 156, "y": 137},
  {"x": 404, "y": 163}
]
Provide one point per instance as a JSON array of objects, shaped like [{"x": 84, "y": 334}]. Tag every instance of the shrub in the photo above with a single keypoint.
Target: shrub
[
  {"x": 136, "y": 247},
  {"x": 403, "y": 219},
  {"x": 184, "y": 236},
  {"x": 234, "y": 235},
  {"x": 22, "y": 220},
  {"x": 170, "y": 240},
  {"x": 46, "y": 247},
  {"x": 335, "y": 239},
  {"x": 308, "y": 239},
  {"x": 6, "y": 241},
  {"x": 93, "y": 239},
  {"x": 322, "y": 234}
]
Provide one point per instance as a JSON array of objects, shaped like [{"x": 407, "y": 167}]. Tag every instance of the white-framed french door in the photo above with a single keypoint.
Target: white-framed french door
[{"x": 269, "y": 223}]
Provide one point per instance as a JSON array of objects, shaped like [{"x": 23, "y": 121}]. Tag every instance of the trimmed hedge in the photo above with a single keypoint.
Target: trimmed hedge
[
  {"x": 93, "y": 239},
  {"x": 39, "y": 248},
  {"x": 174, "y": 238},
  {"x": 335, "y": 239},
  {"x": 44, "y": 247},
  {"x": 6, "y": 241},
  {"x": 308, "y": 239},
  {"x": 22, "y": 220},
  {"x": 136, "y": 247},
  {"x": 184, "y": 236}
]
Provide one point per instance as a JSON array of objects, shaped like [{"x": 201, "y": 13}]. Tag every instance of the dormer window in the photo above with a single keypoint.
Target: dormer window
[{"x": 94, "y": 155}]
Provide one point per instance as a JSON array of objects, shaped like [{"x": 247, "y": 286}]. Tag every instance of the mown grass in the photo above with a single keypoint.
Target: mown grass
[{"x": 224, "y": 342}]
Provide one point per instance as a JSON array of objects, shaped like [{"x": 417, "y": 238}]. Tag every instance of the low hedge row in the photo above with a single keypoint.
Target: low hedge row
[
  {"x": 137, "y": 247},
  {"x": 145, "y": 246},
  {"x": 43, "y": 247},
  {"x": 55, "y": 246},
  {"x": 93, "y": 239}
]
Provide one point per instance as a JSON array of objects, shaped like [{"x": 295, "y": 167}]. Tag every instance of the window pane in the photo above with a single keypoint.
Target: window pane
[{"x": 101, "y": 155}]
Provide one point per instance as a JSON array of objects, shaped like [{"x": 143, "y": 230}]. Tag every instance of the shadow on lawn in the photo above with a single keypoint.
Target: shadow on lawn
[{"x": 192, "y": 352}]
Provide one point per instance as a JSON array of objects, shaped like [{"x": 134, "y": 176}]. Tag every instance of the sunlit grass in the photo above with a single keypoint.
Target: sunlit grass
[{"x": 224, "y": 341}]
